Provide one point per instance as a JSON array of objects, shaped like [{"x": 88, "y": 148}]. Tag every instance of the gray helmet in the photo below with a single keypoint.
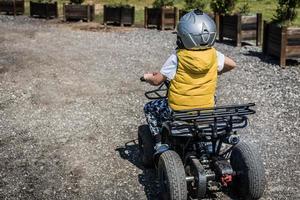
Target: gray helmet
[{"x": 196, "y": 30}]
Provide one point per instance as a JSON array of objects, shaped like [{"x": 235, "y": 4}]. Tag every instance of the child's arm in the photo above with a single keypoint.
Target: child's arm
[
  {"x": 229, "y": 64},
  {"x": 154, "y": 78}
]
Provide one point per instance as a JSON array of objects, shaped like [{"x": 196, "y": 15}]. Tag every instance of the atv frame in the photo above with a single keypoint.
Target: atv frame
[{"x": 205, "y": 153}]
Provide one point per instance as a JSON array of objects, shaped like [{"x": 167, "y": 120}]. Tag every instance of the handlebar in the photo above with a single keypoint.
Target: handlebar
[{"x": 159, "y": 93}]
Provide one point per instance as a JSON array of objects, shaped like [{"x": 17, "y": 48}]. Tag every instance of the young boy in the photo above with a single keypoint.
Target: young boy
[{"x": 192, "y": 72}]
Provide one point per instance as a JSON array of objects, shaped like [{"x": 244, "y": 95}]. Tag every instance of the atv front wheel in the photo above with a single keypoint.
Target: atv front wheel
[
  {"x": 172, "y": 179},
  {"x": 249, "y": 181},
  {"x": 146, "y": 146}
]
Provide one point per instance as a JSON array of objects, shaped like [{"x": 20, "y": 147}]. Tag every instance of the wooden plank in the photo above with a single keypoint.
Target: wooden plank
[
  {"x": 282, "y": 59},
  {"x": 248, "y": 35},
  {"x": 249, "y": 26},
  {"x": 258, "y": 29},
  {"x": 293, "y": 31},
  {"x": 293, "y": 41},
  {"x": 145, "y": 17},
  {"x": 238, "y": 30},
  {"x": 162, "y": 25},
  {"x": 293, "y": 51},
  {"x": 249, "y": 19},
  {"x": 230, "y": 33}
]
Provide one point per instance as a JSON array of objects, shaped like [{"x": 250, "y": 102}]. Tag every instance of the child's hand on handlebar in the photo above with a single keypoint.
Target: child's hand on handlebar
[{"x": 149, "y": 75}]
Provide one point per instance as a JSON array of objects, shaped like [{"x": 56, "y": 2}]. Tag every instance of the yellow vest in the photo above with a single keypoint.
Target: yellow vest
[{"x": 195, "y": 82}]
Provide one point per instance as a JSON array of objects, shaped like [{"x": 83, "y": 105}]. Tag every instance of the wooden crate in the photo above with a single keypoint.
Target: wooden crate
[
  {"x": 79, "y": 12},
  {"x": 43, "y": 10},
  {"x": 161, "y": 18},
  {"x": 241, "y": 28},
  {"x": 120, "y": 15},
  {"x": 14, "y": 7},
  {"x": 282, "y": 42}
]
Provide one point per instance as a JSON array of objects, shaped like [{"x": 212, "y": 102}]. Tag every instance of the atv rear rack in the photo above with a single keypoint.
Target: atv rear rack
[{"x": 210, "y": 121}]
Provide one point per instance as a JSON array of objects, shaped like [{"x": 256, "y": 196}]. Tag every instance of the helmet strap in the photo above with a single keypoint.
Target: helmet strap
[{"x": 179, "y": 43}]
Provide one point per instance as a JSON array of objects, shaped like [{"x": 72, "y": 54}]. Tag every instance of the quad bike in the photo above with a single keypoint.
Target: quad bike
[{"x": 205, "y": 153}]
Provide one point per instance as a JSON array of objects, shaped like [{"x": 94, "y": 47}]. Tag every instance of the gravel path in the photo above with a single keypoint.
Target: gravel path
[{"x": 71, "y": 99}]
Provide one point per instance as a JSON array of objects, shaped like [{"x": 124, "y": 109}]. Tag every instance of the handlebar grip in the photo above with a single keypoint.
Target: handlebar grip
[{"x": 142, "y": 79}]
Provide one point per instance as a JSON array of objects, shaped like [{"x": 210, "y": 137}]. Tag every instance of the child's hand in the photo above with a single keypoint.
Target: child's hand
[{"x": 149, "y": 75}]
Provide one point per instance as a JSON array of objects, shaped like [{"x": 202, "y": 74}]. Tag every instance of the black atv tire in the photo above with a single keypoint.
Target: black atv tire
[
  {"x": 146, "y": 146},
  {"x": 249, "y": 182},
  {"x": 172, "y": 178}
]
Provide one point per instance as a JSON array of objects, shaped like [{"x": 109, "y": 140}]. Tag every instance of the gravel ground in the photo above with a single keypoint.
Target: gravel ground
[{"x": 71, "y": 102}]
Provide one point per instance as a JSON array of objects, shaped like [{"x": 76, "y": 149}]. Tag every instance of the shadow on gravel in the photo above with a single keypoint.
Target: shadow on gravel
[
  {"x": 148, "y": 179},
  {"x": 270, "y": 59}
]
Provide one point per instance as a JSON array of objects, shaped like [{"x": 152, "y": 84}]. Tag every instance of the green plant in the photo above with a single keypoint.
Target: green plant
[
  {"x": 192, "y": 4},
  {"x": 162, "y": 3},
  {"x": 244, "y": 9},
  {"x": 222, "y": 6},
  {"x": 286, "y": 11},
  {"x": 119, "y": 3}
]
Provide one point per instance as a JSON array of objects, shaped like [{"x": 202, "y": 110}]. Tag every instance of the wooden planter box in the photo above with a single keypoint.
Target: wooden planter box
[
  {"x": 241, "y": 28},
  {"x": 119, "y": 15},
  {"x": 79, "y": 12},
  {"x": 282, "y": 42},
  {"x": 43, "y": 10},
  {"x": 14, "y": 7},
  {"x": 161, "y": 17}
]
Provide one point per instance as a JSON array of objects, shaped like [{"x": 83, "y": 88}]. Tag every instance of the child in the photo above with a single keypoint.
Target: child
[{"x": 192, "y": 72}]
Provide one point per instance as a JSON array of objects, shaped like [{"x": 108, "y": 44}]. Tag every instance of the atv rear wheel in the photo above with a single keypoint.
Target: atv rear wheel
[
  {"x": 146, "y": 146},
  {"x": 172, "y": 178},
  {"x": 249, "y": 182}
]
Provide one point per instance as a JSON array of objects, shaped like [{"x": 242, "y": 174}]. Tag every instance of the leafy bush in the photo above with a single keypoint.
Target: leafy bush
[
  {"x": 193, "y": 4},
  {"x": 244, "y": 9},
  {"x": 222, "y": 6},
  {"x": 119, "y": 3},
  {"x": 286, "y": 11},
  {"x": 162, "y": 3}
]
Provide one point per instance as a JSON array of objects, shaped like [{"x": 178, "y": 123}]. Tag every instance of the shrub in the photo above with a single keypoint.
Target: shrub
[
  {"x": 286, "y": 11},
  {"x": 244, "y": 9},
  {"x": 162, "y": 3},
  {"x": 119, "y": 3},
  {"x": 222, "y": 6},
  {"x": 193, "y": 4}
]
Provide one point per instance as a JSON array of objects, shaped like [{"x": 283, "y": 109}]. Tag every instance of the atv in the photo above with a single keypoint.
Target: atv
[{"x": 205, "y": 153}]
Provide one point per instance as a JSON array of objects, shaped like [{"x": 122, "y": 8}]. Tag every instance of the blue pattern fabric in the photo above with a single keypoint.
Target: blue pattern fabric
[{"x": 157, "y": 112}]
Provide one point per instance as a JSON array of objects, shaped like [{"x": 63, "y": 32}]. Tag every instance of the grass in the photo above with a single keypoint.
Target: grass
[{"x": 266, "y": 7}]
